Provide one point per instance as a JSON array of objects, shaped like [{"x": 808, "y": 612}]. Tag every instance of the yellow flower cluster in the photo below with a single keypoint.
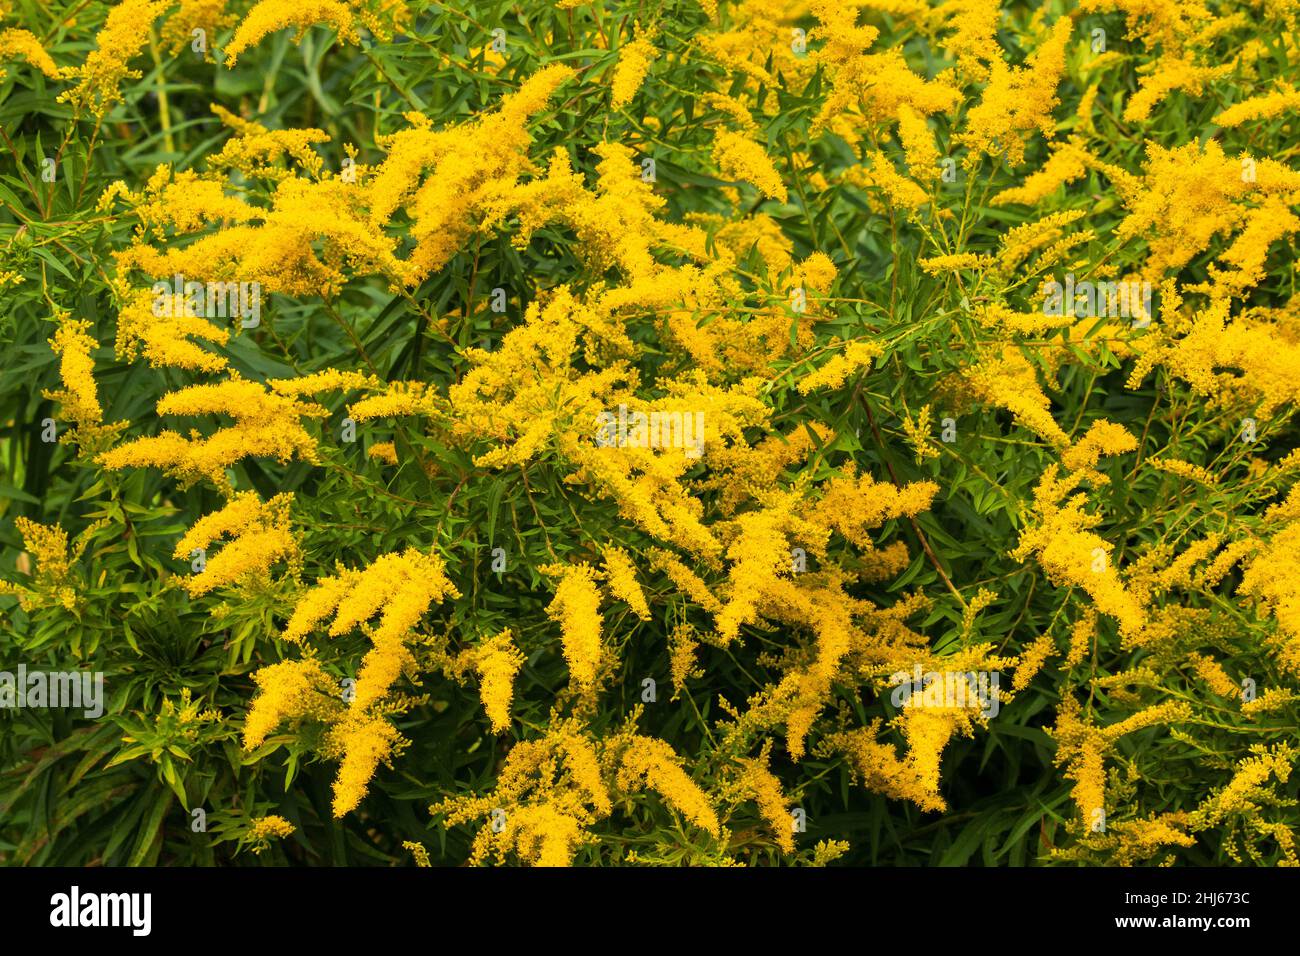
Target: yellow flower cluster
[
  {"x": 547, "y": 793},
  {"x": 497, "y": 662},
  {"x": 742, "y": 159},
  {"x": 854, "y": 356},
  {"x": 651, "y": 764},
  {"x": 577, "y": 608},
  {"x": 79, "y": 398},
  {"x": 739, "y": 425},
  {"x": 48, "y": 544},
  {"x": 758, "y": 783},
  {"x": 124, "y": 34},
  {"x": 621, "y": 577},
  {"x": 259, "y": 536},
  {"x": 399, "y": 588},
  {"x": 24, "y": 44},
  {"x": 268, "y": 16},
  {"x": 261, "y": 831},
  {"x": 266, "y": 424},
  {"x": 1069, "y": 553},
  {"x": 633, "y": 64},
  {"x": 1018, "y": 100}
]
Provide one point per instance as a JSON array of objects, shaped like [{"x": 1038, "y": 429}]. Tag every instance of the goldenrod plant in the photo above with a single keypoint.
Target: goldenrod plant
[{"x": 688, "y": 432}]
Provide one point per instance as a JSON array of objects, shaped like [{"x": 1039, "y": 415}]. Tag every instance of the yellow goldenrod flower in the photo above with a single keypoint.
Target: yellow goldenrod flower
[
  {"x": 124, "y": 34},
  {"x": 1270, "y": 701},
  {"x": 1012, "y": 383},
  {"x": 898, "y": 191},
  {"x": 682, "y": 645},
  {"x": 264, "y": 829},
  {"x": 974, "y": 42},
  {"x": 1215, "y": 677},
  {"x": 651, "y": 764},
  {"x": 955, "y": 262},
  {"x": 634, "y": 60},
  {"x": 265, "y": 425},
  {"x": 418, "y": 851},
  {"x": 268, "y": 16},
  {"x": 1068, "y": 162},
  {"x": 259, "y": 536},
  {"x": 363, "y": 743},
  {"x": 1268, "y": 106},
  {"x": 577, "y": 608},
  {"x": 1082, "y": 636},
  {"x": 852, "y": 506},
  {"x": 210, "y": 16},
  {"x": 759, "y": 783},
  {"x": 620, "y": 576},
  {"x": 1031, "y": 661},
  {"x": 1267, "y": 579},
  {"x": 854, "y": 356},
  {"x": 48, "y": 544},
  {"x": 1184, "y": 469},
  {"x": 497, "y": 662},
  {"x": 1168, "y": 75},
  {"x": 1249, "y": 784},
  {"x": 288, "y": 690},
  {"x": 740, "y": 158},
  {"x": 1018, "y": 100},
  {"x": 1069, "y": 553},
  {"x": 24, "y": 44},
  {"x": 918, "y": 145}
]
